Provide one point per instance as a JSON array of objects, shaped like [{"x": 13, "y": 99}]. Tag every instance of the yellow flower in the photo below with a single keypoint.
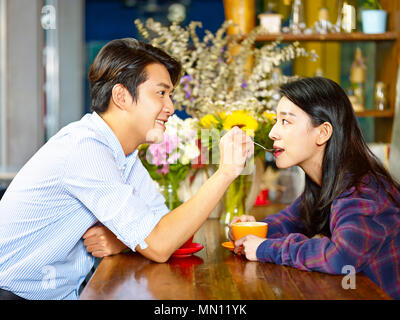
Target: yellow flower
[
  {"x": 270, "y": 116},
  {"x": 208, "y": 121},
  {"x": 222, "y": 115},
  {"x": 242, "y": 120}
]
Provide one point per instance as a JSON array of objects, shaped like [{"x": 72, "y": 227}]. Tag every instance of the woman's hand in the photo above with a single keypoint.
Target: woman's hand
[
  {"x": 242, "y": 218},
  {"x": 250, "y": 244},
  {"x": 101, "y": 242},
  {"x": 235, "y": 147}
]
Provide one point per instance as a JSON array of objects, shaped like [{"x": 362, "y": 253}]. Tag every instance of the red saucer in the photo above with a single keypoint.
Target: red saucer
[{"x": 185, "y": 252}]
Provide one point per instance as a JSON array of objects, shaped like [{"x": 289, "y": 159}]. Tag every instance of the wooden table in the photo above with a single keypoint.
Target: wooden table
[{"x": 214, "y": 273}]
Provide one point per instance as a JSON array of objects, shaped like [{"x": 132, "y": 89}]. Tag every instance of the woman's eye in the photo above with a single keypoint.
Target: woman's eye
[{"x": 284, "y": 121}]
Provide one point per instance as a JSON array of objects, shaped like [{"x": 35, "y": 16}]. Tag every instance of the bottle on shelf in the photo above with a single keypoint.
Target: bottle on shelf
[
  {"x": 357, "y": 80},
  {"x": 347, "y": 17},
  {"x": 297, "y": 22},
  {"x": 380, "y": 96}
]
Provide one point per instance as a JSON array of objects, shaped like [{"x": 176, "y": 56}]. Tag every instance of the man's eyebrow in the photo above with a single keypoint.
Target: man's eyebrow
[
  {"x": 164, "y": 85},
  {"x": 284, "y": 113}
]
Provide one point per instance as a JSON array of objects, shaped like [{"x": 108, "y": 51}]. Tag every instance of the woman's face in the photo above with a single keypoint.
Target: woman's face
[{"x": 295, "y": 138}]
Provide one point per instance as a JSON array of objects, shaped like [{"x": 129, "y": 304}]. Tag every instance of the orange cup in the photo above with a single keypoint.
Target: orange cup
[{"x": 241, "y": 229}]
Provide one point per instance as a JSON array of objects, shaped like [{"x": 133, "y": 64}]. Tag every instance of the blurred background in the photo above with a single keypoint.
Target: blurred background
[{"x": 47, "y": 47}]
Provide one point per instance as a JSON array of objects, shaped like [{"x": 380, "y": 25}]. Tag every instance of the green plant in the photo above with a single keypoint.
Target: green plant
[{"x": 371, "y": 5}]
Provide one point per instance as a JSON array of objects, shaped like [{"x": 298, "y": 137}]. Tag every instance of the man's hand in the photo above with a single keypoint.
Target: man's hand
[
  {"x": 250, "y": 244},
  {"x": 235, "y": 147},
  {"x": 101, "y": 242}
]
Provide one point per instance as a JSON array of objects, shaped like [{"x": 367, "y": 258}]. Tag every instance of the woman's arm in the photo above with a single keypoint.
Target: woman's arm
[
  {"x": 356, "y": 237},
  {"x": 285, "y": 221}
]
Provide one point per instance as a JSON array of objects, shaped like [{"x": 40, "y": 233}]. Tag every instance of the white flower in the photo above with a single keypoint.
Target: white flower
[{"x": 191, "y": 151}]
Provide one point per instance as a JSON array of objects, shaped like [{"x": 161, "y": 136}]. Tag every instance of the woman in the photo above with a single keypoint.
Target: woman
[{"x": 349, "y": 212}]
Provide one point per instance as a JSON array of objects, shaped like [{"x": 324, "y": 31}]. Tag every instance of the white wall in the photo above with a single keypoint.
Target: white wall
[
  {"x": 72, "y": 64},
  {"x": 21, "y": 100},
  {"x": 22, "y": 95}
]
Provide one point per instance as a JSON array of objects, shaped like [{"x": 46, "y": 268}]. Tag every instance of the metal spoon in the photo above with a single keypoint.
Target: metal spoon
[{"x": 261, "y": 146}]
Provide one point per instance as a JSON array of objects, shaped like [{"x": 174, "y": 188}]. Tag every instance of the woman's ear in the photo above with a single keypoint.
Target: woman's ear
[
  {"x": 325, "y": 133},
  {"x": 120, "y": 96}
]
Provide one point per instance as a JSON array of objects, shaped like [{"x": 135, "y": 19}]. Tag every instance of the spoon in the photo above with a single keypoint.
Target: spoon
[{"x": 261, "y": 146}]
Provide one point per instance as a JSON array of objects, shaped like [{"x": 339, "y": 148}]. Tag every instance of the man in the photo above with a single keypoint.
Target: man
[{"x": 89, "y": 173}]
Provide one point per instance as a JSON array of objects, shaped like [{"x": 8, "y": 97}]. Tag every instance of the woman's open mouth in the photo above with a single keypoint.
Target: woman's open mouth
[{"x": 278, "y": 152}]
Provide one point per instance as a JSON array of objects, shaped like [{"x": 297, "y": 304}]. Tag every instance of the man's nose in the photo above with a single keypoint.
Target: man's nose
[{"x": 169, "y": 106}]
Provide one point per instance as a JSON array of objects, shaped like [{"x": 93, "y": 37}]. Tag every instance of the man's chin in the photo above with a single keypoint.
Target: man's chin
[{"x": 155, "y": 135}]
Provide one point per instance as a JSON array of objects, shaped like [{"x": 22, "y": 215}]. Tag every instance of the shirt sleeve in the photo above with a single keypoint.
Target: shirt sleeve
[
  {"x": 356, "y": 238},
  {"x": 93, "y": 178},
  {"x": 285, "y": 221}
]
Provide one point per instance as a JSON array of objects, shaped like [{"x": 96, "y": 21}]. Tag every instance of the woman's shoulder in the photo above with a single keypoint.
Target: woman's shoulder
[{"x": 371, "y": 189}]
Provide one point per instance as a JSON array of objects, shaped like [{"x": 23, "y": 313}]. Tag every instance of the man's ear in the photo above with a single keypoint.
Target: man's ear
[
  {"x": 324, "y": 134},
  {"x": 120, "y": 96}
]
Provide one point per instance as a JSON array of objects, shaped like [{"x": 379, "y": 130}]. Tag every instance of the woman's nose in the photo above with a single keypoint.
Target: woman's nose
[{"x": 273, "y": 134}]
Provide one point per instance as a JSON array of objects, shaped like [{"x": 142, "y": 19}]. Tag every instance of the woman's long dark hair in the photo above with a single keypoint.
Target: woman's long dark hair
[{"x": 347, "y": 158}]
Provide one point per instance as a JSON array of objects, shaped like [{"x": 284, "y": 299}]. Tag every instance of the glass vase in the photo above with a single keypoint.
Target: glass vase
[
  {"x": 235, "y": 199},
  {"x": 170, "y": 194}
]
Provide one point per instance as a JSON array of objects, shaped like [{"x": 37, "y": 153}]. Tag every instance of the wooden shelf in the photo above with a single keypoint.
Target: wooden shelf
[
  {"x": 355, "y": 36},
  {"x": 376, "y": 113}
]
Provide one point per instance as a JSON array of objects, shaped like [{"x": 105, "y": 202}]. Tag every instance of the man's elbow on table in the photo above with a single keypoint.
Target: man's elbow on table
[{"x": 154, "y": 253}]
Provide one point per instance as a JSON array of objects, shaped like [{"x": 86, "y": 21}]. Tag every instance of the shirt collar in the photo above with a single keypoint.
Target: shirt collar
[{"x": 113, "y": 142}]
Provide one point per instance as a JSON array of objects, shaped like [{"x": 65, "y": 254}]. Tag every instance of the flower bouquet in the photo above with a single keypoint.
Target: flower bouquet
[
  {"x": 258, "y": 127},
  {"x": 170, "y": 161}
]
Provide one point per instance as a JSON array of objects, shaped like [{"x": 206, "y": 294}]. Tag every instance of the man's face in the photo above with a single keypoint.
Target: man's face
[{"x": 154, "y": 106}]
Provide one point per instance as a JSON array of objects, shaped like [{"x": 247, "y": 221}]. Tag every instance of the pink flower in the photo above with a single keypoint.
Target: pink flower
[
  {"x": 158, "y": 154},
  {"x": 164, "y": 169},
  {"x": 171, "y": 142},
  {"x": 160, "y": 151}
]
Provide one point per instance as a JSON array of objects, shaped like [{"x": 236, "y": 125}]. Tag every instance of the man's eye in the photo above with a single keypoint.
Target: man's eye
[{"x": 162, "y": 93}]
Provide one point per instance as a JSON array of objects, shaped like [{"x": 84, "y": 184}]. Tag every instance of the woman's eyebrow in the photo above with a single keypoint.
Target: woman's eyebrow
[{"x": 284, "y": 113}]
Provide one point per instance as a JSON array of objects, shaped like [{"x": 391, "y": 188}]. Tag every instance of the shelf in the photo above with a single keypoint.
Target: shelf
[
  {"x": 376, "y": 113},
  {"x": 355, "y": 36}
]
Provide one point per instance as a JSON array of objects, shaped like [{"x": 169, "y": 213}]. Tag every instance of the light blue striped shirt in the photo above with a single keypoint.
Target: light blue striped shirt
[{"x": 79, "y": 177}]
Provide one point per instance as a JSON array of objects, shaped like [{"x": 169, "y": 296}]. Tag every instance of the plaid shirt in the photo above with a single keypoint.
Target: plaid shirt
[{"x": 365, "y": 228}]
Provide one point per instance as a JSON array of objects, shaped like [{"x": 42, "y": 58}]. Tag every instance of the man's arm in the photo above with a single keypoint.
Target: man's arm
[
  {"x": 174, "y": 228},
  {"x": 181, "y": 223},
  {"x": 101, "y": 242}
]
